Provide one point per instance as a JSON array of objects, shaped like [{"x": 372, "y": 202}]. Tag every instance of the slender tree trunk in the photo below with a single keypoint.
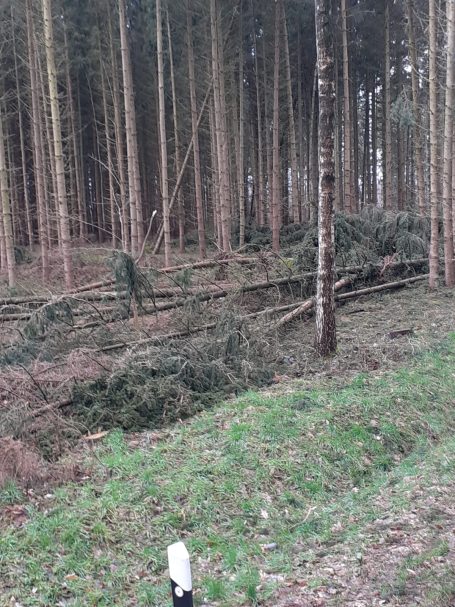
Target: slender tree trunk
[
  {"x": 163, "y": 137},
  {"x": 110, "y": 167},
  {"x": 448, "y": 148},
  {"x": 301, "y": 163},
  {"x": 326, "y": 341},
  {"x": 38, "y": 152},
  {"x": 195, "y": 133},
  {"x": 260, "y": 147},
  {"x": 216, "y": 178},
  {"x": 348, "y": 193},
  {"x": 220, "y": 127},
  {"x": 388, "y": 201},
  {"x": 177, "y": 159},
  {"x": 417, "y": 128},
  {"x": 365, "y": 194},
  {"x": 57, "y": 145},
  {"x": 433, "y": 86},
  {"x": 6, "y": 210},
  {"x": 25, "y": 188},
  {"x": 354, "y": 143},
  {"x": 276, "y": 189},
  {"x": 134, "y": 178},
  {"x": 119, "y": 148},
  {"x": 313, "y": 165},
  {"x": 294, "y": 202},
  {"x": 338, "y": 139},
  {"x": 241, "y": 158},
  {"x": 374, "y": 146},
  {"x": 268, "y": 138}
]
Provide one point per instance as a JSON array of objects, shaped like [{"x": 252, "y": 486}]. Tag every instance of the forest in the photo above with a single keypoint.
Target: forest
[{"x": 227, "y": 302}]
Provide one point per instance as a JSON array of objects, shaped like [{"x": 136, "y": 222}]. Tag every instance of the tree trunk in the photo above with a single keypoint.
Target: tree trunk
[
  {"x": 177, "y": 159},
  {"x": 241, "y": 130},
  {"x": 276, "y": 189},
  {"x": 25, "y": 188},
  {"x": 348, "y": 193},
  {"x": 433, "y": 92},
  {"x": 195, "y": 133},
  {"x": 388, "y": 201},
  {"x": 365, "y": 194},
  {"x": 294, "y": 202},
  {"x": 134, "y": 178},
  {"x": 163, "y": 137},
  {"x": 374, "y": 146},
  {"x": 417, "y": 128},
  {"x": 57, "y": 145},
  {"x": 448, "y": 148},
  {"x": 118, "y": 133},
  {"x": 6, "y": 211},
  {"x": 260, "y": 148},
  {"x": 38, "y": 151},
  {"x": 220, "y": 126},
  {"x": 326, "y": 340}
]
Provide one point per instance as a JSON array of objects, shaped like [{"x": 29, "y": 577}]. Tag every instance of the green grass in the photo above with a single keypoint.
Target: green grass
[{"x": 258, "y": 471}]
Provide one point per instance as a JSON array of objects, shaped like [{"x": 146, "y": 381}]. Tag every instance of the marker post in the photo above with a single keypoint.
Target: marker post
[{"x": 180, "y": 574}]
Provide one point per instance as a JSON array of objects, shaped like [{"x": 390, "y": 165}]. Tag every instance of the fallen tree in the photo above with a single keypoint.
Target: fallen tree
[
  {"x": 297, "y": 309},
  {"x": 215, "y": 292}
]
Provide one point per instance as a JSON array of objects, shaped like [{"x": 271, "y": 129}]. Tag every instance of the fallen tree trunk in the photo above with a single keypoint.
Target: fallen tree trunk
[
  {"x": 298, "y": 309},
  {"x": 388, "y": 285},
  {"x": 213, "y": 263},
  {"x": 308, "y": 304},
  {"x": 197, "y": 265},
  {"x": 222, "y": 292},
  {"x": 301, "y": 307}
]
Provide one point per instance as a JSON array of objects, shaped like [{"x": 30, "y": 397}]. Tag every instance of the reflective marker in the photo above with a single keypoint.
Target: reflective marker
[{"x": 180, "y": 574}]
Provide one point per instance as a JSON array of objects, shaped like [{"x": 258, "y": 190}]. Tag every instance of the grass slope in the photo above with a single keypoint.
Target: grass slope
[{"x": 245, "y": 486}]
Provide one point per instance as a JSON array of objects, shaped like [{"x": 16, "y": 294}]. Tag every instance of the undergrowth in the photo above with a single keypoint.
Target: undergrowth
[
  {"x": 359, "y": 239},
  {"x": 171, "y": 381},
  {"x": 243, "y": 485}
]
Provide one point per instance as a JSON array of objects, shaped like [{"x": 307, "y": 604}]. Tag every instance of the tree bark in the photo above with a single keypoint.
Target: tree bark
[
  {"x": 134, "y": 178},
  {"x": 294, "y": 201},
  {"x": 348, "y": 193},
  {"x": 448, "y": 148},
  {"x": 119, "y": 149},
  {"x": 276, "y": 189},
  {"x": 220, "y": 126},
  {"x": 433, "y": 92},
  {"x": 195, "y": 133},
  {"x": 62, "y": 201},
  {"x": 260, "y": 135},
  {"x": 417, "y": 127},
  {"x": 163, "y": 136},
  {"x": 326, "y": 340},
  {"x": 241, "y": 130},
  {"x": 6, "y": 210},
  {"x": 38, "y": 152},
  {"x": 388, "y": 202},
  {"x": 177, "y": 158}
]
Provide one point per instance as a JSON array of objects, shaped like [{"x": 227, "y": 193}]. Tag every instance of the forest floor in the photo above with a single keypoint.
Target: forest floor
[{"x": 334, "y": 486}]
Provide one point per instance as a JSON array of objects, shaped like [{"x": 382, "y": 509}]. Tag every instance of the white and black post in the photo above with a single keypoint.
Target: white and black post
[{"x": 180, "y": 574}]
